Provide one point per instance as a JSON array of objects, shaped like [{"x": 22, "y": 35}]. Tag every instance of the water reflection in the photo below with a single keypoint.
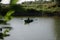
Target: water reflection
[{"x": 57, "y": 28}]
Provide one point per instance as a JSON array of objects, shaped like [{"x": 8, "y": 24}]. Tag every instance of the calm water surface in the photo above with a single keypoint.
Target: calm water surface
[{"x": 39, "y": 29}]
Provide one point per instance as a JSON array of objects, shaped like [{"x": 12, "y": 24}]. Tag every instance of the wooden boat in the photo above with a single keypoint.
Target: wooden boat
[{"x": 28, "y": 20}]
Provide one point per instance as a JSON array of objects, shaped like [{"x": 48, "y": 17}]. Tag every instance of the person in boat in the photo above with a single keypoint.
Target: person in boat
[{"x": 28, "y": 20}]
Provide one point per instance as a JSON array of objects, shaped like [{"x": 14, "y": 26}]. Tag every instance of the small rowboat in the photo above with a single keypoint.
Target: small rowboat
[{"x": 28, "y": 21}]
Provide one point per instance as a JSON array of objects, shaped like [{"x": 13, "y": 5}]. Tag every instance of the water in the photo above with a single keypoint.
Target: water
[{"x": 39, "y": 29}]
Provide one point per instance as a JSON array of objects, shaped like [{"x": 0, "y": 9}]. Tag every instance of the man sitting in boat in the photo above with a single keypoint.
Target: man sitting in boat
[{"x": 28, "y": 21}]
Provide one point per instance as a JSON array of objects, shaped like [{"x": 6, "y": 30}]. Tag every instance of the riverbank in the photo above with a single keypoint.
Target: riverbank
[
  {"x": 20, "y": 11},
  {"x": 38, "y": 14}
]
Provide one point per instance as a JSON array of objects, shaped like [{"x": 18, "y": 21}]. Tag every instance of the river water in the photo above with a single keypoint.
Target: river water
[{"x": 40, "y": 29}]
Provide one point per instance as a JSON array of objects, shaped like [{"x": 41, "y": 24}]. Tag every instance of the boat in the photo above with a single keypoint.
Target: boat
[{"x": 28, "y": 20}]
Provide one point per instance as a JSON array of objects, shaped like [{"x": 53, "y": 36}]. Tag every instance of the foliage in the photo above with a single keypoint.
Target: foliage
[
  {"x": 8, "y": 14},
  {"x": 11, "y": 11},
  {"x": 12, "y": 2},
  {"x": 14, "y": 8}
]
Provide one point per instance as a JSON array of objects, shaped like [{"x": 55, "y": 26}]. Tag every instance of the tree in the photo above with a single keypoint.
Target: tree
[
  {"x": 7, "y": 17},
  {"x": 11, "y": 11},
  {"x": 12, "y": 2}
]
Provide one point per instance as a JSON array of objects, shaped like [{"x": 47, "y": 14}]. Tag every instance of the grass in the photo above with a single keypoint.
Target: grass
[{"x": 41, "y": 7}]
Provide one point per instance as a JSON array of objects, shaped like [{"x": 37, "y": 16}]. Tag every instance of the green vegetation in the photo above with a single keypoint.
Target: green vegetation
[
  {"x": 8, "y": 14},
  {"x": 6, "y": 11},
  {"x": 28, "y": 8},
  {"x": 12, "y": 2},
  {"x": 48, "y": 9},
  {"x": 10, "y": 11},
  {"x": 51, "y": 6}
]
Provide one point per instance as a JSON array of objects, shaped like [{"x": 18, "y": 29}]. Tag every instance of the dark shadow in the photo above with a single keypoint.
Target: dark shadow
[
  {"x": 1, "y": 36},
  {"x": 6, "y": 35},
  {"x": 57, "y": 28},
  {"x": 28, "y": 21},
  {"x": 2, "y": 22},
  {"x": 10, "y": 28},
  {"x": 0, "y": 0}
]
